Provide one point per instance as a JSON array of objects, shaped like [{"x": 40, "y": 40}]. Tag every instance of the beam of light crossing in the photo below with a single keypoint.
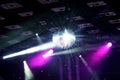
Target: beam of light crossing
[
  {"x": 28, "y": 74},
  {"x": 31, "y": 50},
  {"x": 64, "y": 40},
  {"x": 41, "y": 59},
  {"x": 69, "y": 51},
  {"x": 109, "y": 44},
  {"x": 48, "y": 54},
  {"x": 92, "y": 72}
]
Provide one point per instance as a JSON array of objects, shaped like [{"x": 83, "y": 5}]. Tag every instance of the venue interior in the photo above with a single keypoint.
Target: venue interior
[{"x": 59, "y": 40}]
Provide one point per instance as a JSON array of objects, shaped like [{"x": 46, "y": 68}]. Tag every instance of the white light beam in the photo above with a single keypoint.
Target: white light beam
[
  {"x": 31, "y": 50},
  {"x": 27, "y": 72}
]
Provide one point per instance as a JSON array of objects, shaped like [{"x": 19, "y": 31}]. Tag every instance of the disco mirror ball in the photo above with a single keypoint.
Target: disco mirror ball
[{"x": 64, "y": 40}]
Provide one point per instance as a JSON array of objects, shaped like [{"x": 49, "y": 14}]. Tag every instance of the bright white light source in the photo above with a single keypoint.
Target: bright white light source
[
  {"x": 36, "y": 34},
  {"x": 48, "y": 54},
  {"x": 64, "y": 40},
  {"x": 31, "y": 50},
  {"x": 80, "y": 55},
  {"x": 109, "y": 44},
  {"x": 27, "y": 71}
]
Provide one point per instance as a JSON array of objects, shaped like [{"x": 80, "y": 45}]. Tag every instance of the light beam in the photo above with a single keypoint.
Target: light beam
[
  {"x": 41, "y": 59},
  {"x": 48, "y": 54},
  {"x": 31, "y": 50},
  {"x": 100, "y": 53},
  {"x": 27, "y": 72},
  {"x": 68, "y": 51}
]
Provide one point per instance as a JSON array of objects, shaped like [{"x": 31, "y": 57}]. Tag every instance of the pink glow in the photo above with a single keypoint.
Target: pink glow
[
  {"x": 109, "y": 44},
  {"x": 48, "y": 54},
  {"x": 39, "y": 60},
  {"x": 100, "y": 54}
]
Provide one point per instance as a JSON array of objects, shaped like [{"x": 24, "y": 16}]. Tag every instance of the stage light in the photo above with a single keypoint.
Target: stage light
[
  {"x": 27, "y": 72},
  {"x": 64, "y": 40},
  {"x": 109, "y": 44},
  {"x": 41, "y": 59},
  {"x": 38, "y": 38},
  {"x": 80, "y": 55},
  {"x": 36, "y": 34},
  {"x": 31, "y": 50},
  {"x": 48, "y": 54},
  {"x": 100, "y": 54}
]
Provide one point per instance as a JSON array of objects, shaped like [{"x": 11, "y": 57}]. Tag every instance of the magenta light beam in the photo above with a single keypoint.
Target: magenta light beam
[
  {"x": 41, "y": 59},
  {"x": 100, "y": 53}
]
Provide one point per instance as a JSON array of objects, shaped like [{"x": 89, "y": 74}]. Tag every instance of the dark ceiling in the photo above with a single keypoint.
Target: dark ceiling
[{"x": 94, "y": 22}]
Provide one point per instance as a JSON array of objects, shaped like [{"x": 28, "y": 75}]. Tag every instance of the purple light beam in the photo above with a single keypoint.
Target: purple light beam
[
  {"x": 41, "y": 59},
  {"x": 100, "y": 54}
]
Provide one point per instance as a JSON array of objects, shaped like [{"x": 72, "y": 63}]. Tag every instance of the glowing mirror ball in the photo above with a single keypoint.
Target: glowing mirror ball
[{"x": 64, "y": 40}]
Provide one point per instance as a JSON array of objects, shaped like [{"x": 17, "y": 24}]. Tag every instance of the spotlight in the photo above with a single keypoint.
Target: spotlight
[
  {"x": 24, "y": 62},
  {"x": 109, "y": 44},
  {"x": 100, "y": 54},
  {"x": 80, "y": 55},
  {"x": 36, "y": 34},
  {"x": 48, "y": 54},
  {"x": 41, "y": 59},
  {"x": 27, "y": 72},
  {"x": 64, "y": 40},
  {"x": 38, "y": 38}
]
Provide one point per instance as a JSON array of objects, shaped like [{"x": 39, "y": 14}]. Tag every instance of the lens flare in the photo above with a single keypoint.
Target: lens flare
[{"x": 64, "y": 40}]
